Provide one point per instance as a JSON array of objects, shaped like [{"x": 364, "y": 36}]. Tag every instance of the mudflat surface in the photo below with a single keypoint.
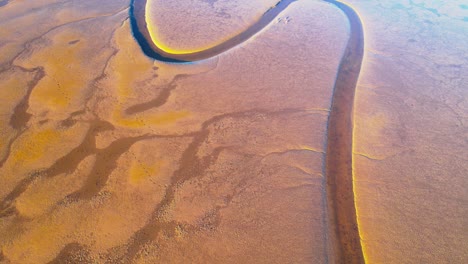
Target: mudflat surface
[
  {"x": 110, "y": 156},
  {"x": 411, "y": 118}
]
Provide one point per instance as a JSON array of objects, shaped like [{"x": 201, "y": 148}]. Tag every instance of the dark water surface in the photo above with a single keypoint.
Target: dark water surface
[
  {"x": 142, "y": 40},
  {"x": 4, "y": 2}
]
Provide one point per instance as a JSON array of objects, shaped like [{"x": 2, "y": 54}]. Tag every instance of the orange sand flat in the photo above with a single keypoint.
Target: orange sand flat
[
  {"x": 110, "y": 156},
  {"x": 116, "y": 157},
  {"x": 410, "y": 145}
]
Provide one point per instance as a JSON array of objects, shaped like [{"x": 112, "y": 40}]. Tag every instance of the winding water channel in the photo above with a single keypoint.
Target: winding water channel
[{"x": 345, "y": 244}]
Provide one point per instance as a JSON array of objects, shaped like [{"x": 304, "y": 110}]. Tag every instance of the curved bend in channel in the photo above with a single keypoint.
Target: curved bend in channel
[
  {"x": 4, "y": 2},
  {"x": 345, "y": 243},
  {"x": 151, "y": 49}
]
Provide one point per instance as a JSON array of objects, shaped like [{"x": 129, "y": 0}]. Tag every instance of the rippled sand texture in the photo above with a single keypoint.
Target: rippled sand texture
[
  {"x": 411, "y": 118},
  {"x": 109, "y": 156}
]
